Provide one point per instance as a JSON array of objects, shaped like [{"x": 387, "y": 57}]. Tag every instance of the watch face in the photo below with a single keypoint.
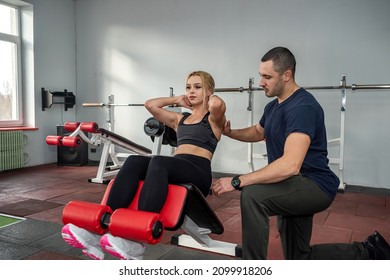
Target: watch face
[{"x": 236, "y": 182}]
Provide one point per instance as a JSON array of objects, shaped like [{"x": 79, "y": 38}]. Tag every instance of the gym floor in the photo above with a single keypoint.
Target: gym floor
[{"x": 38, "y": 194}]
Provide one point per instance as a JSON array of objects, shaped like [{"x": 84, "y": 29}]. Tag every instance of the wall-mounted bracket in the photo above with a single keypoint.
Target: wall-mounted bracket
[{"x": 49, "y": 98}]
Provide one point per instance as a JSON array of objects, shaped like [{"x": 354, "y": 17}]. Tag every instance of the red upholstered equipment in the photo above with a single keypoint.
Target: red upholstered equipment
[
  {"x": 54, "y": 140},
  {"x": 101, "y": 135},
  {"x": 185, "y": 208},
  {"x": 86, "y": 215},
  {"x": 71, "y": 141},
  {"x": 71, "y": 126},
  {"x": 172, "y": 214},
  {"x": 89, "y": 127},
  {"x": 130, "y": 223},
  {"x": 63, "y": 141},
  {"x": 136, "y": 225}
]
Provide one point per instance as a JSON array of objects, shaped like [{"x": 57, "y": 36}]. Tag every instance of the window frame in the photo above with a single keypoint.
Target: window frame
[{"x": 17, "y": 40}]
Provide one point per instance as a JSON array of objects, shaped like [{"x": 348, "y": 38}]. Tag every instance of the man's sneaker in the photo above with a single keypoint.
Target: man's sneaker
[
  {"x": 82, "y": 239},
  {"x": 122, "y": 248}
]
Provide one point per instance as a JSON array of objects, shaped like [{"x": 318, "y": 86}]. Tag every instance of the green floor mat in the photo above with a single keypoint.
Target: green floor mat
[{"x": 6, "y": 220}]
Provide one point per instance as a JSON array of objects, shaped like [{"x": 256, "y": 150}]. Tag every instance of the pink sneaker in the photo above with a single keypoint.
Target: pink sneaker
[
  {"x": 122, "y": 248},
  {"x": 82, "y": 239}
]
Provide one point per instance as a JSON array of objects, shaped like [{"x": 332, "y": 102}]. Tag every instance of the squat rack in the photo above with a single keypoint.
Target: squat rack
[
  {"x": 109, "y": 147},
  {"x": 343, "y": 87}
]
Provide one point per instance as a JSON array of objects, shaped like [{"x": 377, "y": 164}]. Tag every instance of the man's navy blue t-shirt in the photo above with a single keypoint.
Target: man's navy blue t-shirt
[{"x": 300, "y": 113}]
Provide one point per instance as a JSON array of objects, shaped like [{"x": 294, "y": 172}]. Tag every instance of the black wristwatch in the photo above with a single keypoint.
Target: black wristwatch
[{"x": 236, "y": 182}]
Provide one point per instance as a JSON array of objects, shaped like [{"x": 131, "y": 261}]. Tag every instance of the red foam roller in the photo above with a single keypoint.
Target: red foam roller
[
  {"x": 71, "y": 141},
  {"x": 85, "y": 215},
  {"x": 89, "y": 127},
  {"x": 71, "y": 126},
  {"x": 54, "y": 140},
  {"x": 136, "y": 225}
]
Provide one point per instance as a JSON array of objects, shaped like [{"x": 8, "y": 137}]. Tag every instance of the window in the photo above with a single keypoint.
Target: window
[{"x": 10, "y": 73}]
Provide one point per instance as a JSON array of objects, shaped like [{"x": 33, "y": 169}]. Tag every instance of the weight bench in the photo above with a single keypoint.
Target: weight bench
[
  {"x": 185, "y": 208},
  {"x": 99, "y": 136}
]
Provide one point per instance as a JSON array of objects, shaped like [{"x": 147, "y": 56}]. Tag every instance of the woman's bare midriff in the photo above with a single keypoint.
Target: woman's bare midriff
[{"x": 194, "y": 150}]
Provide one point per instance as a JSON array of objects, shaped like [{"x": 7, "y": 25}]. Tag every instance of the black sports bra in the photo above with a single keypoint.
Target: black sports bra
[{"x": 199, "y": 134}]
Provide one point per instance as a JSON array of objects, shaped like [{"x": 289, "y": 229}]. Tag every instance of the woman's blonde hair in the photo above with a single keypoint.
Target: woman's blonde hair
[{"x": 207, "y": 80}]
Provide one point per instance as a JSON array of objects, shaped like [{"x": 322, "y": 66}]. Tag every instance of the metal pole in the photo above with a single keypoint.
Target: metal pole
[
  {"x": 171, "y": 92},
  {"x": 373, "y": 86},
  {"x": 108, "y": 104},
  {"x": 352, "y": 87},
  {"x": 250, "y": 122},
  {"x": 342, "y": 131},
  {"x": 241, "y": 89},
  {"x": 110, "y": 120}
]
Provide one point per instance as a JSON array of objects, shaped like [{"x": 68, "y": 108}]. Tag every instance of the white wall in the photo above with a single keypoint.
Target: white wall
[
  {"x": 137, "y": 50},
  {"x": 49, "y": 50}
]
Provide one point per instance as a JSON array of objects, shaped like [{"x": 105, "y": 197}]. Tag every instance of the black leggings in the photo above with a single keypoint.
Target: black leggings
[{"x": 157, "y": 172}]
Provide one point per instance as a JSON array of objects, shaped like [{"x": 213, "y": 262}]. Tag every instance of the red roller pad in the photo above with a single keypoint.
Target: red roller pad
[
  {"x": 71, "y": 126},
  {"x": 171, "y": 214},
  {"x": 71, "y": 141},
  {"x": 54, "y": 140},
  {"x": 85, "y": 215},
  {"x": 135, "y": 225},
  {"x": 89, "y": 127}
]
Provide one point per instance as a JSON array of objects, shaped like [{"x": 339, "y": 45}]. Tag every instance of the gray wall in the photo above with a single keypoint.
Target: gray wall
[
  {"x": 137, "y": 50},
  {"x": 49, "y": 53}
]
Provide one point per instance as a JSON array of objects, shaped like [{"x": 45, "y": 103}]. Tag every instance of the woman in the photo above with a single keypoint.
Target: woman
[{"x": 197, "y": 138}]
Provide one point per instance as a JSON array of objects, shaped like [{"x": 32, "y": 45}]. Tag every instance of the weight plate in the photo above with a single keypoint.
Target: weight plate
[{"x": 153, "y": 127}]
